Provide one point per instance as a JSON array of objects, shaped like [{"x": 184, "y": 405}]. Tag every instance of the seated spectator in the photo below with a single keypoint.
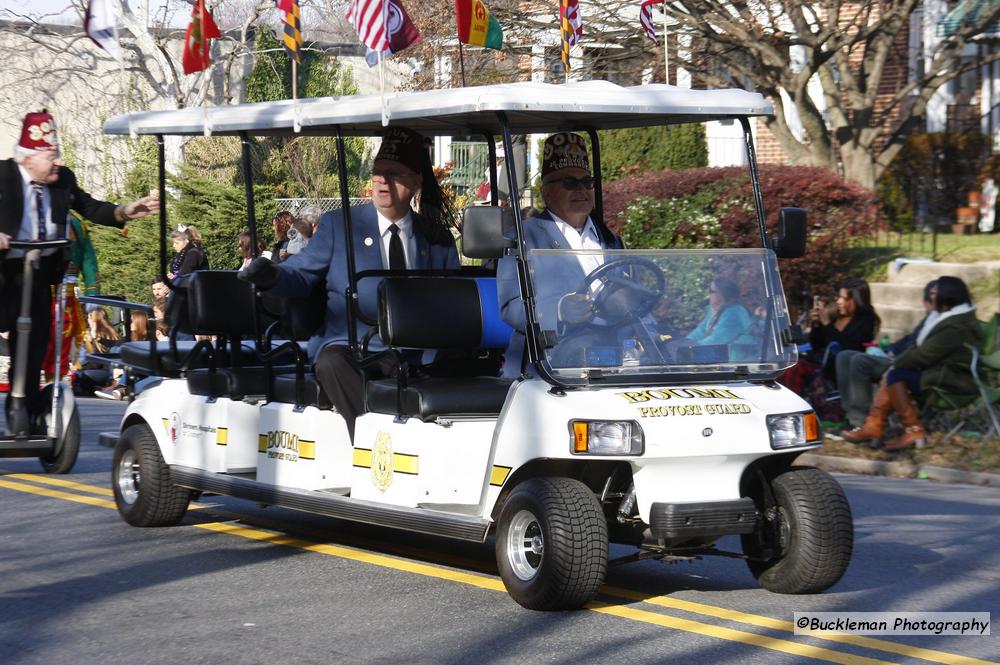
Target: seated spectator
[
  {"x": 100, "y": 337},
  {"x": 245, "y": 253},
  {"x": 116, "y": 389},
  {"x": 726, "y": 321},
  {"x": 310, "y": 214},
  {"x": 189, "y": 255},
  {"x": 280, "y": 224},
  {"x": 940, "y": 358},
  {"x": 846, "y": 326},
  {"x": 298, "y": 236},
  {"x": 858, "y": 373}
]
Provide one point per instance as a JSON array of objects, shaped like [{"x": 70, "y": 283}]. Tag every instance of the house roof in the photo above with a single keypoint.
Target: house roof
[{"x": 530, "y": 108}]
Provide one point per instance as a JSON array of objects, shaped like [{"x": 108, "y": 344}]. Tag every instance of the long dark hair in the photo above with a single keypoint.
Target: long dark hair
[
  {"x": 861, "y": 294},
  {"x": 730, "y": 293},
  {"x": 435, "y": 207},
  {"x": 951, "y": 291}
]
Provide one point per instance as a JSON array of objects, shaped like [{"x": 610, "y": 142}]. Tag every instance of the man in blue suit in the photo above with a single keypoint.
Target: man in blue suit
[
  {"x": 388, "y": 235},
  {"x": 568, "y": 193}
]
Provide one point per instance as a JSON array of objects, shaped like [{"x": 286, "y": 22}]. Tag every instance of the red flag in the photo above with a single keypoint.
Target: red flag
[
  {"x": 284, "y": 5},
  {"x": 646, "y": 17},
  {"x": 196, "y": 45},
  {"x": 402, "y": 32}
]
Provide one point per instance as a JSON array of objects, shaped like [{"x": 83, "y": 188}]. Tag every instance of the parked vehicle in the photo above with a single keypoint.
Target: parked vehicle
[{"x": 623, "y": 429}]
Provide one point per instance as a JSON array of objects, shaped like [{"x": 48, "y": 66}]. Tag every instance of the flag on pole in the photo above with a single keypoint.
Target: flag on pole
[
  {"x": 402, "y": 32},
  {"x": 571, "y": 27},
  {"x": 100, "y": 25},
  {"x": 197, "y": 46},
  {"x": 646, "y": 17},
  {"x": 476, "y": 25},
  {"x": 369, "y": 18},
  {"x": 293, "y": 29}
]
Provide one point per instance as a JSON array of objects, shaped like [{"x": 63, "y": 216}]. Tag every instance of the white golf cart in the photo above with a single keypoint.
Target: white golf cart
[{"x": 625, "y": 426}]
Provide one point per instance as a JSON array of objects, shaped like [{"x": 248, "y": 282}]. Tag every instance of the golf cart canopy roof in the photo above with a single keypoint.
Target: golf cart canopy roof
[{"x": 529, "y": 107}]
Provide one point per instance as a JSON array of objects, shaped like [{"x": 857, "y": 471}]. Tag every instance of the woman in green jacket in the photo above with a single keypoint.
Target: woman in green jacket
[{"x": 939, "y": 359}]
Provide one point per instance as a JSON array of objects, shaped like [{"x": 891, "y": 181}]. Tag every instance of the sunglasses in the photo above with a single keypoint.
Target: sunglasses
[{"x": 571, "y": 183}]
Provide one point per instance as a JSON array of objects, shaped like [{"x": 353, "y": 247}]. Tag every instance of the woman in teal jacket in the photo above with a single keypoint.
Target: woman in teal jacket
[{"x": 726, "y": 320}]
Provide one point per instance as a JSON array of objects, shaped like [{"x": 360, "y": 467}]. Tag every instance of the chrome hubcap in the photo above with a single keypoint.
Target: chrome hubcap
[
  {"x": 128, "y": 477},
  {"x": 525, "y": 545}
]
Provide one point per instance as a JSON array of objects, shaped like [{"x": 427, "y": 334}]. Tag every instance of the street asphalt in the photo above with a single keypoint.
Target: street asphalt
[{"x": 238, "y": 583}]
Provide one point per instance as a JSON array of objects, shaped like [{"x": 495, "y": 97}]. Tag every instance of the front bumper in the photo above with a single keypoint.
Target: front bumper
[{"x": 677, "y": 522}]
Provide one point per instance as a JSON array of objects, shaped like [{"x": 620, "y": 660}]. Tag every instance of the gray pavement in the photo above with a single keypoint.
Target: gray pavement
[{"x": 78, "y": 585}]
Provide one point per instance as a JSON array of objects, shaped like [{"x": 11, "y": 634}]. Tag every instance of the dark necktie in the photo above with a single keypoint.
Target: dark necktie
[
  {"x": 39, "y": 202},
  {"x": 397, "y": 258}
]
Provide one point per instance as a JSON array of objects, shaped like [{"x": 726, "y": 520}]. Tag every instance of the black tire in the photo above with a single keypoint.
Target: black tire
[
  {"x": 144, "y": 493},
  {"x": 564, "y": 520},
  {"x": 63, "y": 461},
  {"x": 808, "y": 535}
]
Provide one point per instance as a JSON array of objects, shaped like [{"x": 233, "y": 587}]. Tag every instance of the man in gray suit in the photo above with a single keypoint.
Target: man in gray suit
[
  {"x": 388, "y": 235},
  {"x": 568, "y": 193}
]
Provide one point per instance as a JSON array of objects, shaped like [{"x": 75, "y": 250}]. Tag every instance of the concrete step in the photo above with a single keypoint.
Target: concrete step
[
  {"x": 897, "y": 320},
  {"x": 921, "y": 273},
  {"x": 899, "y": 294}
]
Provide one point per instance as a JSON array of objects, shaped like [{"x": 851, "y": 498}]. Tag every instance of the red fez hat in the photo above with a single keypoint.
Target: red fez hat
[
  {"x": 39, "y": 132},
  {"x": 562, "y": 151},
  {"x": 404, "y": 146}
]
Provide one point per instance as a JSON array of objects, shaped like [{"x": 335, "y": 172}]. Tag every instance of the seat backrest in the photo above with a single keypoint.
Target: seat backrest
[
  {"x": 441, "y": 313},
  {"x": 219, "y": 303}
]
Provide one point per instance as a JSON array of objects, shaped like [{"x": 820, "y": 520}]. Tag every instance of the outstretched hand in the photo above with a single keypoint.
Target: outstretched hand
[
  {"x": 4, "y": 241},
  {"x": 147, "y": 205}
]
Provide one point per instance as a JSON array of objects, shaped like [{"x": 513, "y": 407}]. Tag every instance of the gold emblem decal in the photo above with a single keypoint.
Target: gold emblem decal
[{"x": 382, "y": 462}]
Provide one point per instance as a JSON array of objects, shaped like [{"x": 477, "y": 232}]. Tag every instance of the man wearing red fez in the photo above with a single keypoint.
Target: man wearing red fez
[
  {"x": 37, "y": 194},
  {"x": 568, "y": 194},
  {"x": 387, "y": 235}
]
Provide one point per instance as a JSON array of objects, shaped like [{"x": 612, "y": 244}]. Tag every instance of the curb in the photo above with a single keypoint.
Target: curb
[{"x": 898, "y": 470}]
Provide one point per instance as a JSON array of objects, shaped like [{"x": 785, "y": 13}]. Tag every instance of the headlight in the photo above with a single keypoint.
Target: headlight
[
  {"x": 789, "y": 430},
  {"x": 606, "y": 437}
]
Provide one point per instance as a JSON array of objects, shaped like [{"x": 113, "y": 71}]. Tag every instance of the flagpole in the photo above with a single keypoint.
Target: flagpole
[
  {"x": 295, "y": 80},
  {"x": 666, "y": 52},
  {"x": 461, "y": 60}
]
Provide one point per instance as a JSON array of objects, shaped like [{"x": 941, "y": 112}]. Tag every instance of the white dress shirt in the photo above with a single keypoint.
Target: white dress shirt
[
  {"x": 29, "y": 217},
  {"x": 585, "y": 238},
  {"x": 405, "y": 234}
]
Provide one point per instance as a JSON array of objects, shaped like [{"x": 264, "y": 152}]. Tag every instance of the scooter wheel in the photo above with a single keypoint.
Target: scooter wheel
[
  {"x": 144, "y": 492},
  {"x": 69, "y": 448}
]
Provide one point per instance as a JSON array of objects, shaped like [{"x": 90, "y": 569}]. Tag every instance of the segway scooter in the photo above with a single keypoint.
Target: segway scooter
[{"x": 57, "y": 447}]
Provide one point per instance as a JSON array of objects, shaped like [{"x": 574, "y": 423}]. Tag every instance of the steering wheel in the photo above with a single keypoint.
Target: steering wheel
[{"x": 629, "y": 289}]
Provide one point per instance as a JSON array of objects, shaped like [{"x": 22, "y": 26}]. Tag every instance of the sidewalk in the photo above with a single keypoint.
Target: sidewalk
[{"x": 964, "y": 460}]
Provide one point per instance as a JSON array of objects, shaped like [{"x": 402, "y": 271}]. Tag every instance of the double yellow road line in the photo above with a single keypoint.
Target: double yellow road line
[{"x": 56, "y": 488}]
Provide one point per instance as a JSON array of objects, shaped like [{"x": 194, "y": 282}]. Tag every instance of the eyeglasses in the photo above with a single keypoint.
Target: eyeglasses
[
  {"x": 392, "y": 177},
  {"x": 571, "y": 183}
]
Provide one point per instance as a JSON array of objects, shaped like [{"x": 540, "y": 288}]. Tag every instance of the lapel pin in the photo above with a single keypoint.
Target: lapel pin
[{"x": 369, "y": 242}]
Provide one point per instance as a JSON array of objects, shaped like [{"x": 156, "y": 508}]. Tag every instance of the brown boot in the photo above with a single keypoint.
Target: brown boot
[
  {"x": 906, "y": 408},
  {"x": 874, "y": 426}
]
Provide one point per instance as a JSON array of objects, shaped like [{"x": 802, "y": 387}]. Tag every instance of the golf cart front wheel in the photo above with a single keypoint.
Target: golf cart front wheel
[
  {"x": 552, "y": 544},
  {"x": 67, "y": 447},
  {"x": 805, "y": 541},
  {"x": 144, "y": 493}
]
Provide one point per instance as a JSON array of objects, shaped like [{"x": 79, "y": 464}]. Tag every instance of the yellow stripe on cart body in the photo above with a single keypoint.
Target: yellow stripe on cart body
[{"x": 222, "y": 436}]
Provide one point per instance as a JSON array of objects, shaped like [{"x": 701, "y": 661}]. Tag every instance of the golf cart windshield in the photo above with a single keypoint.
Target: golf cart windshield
[{"x": 625, "y": 316}]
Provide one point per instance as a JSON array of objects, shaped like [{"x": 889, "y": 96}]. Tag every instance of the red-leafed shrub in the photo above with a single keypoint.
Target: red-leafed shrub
[{"x": 713, "y": 207}]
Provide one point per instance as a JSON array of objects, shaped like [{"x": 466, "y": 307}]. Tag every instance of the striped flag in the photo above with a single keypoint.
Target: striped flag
[
  {"x": 646, "y": 17},
  {"x": 571, "y": 27},
  {"x": 370, "y": 18},
  {"x": 293, "y": 29},
  {"x": 402, "y": 32},
  {"x": 476, "y": 25}
]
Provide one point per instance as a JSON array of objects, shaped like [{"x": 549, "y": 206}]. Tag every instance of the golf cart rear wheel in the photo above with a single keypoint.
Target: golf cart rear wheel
[
  {"x": 144, "y": 493},
  {"x": 807, "y": 536},
  {"x": 68, "y": 448},
  {"x": 552, "y": 544}
]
